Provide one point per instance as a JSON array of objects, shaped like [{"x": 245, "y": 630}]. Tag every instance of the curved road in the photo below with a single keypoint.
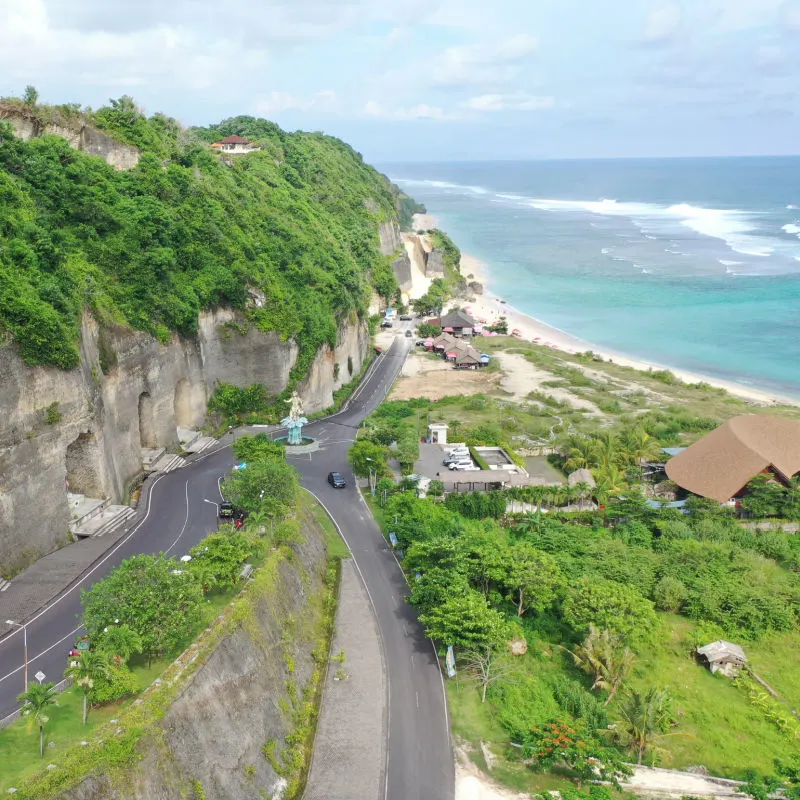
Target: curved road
[{"x": 420, "y": 759}]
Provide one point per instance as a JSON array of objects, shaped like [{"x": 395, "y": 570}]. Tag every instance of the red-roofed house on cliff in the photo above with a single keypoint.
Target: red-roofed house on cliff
[{"x": 235, "y": 145}]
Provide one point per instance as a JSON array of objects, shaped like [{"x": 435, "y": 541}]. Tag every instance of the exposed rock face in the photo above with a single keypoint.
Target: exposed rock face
[
  {"x": 476, "y": 287},
  {"x": 332, "y": 369},
  {"x": 147, "y": 392},
  {"x": 434, "y": 264},
  {"x": 215, "y": 732},
  {"x": 402, "y": 271},
  {"x": 80, "y": 136},
  {"x": 389, "y": 233}
]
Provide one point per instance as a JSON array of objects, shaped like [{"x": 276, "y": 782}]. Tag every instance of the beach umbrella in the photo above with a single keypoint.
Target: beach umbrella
[
  {"x": 537, "y": 339},
  {"x": 516, "y": 332}
]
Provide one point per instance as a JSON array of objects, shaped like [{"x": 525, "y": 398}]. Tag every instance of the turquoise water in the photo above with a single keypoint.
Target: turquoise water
[{"x": 692, "y": 263}]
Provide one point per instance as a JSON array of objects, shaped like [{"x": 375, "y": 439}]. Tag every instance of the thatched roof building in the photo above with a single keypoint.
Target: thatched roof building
[
  {"x": 723, "y": 462},
  {"x": 581, "y": 476}
]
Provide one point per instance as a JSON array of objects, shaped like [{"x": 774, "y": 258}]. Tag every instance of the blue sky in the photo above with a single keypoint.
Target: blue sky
[{"x": 435, "y": 79}]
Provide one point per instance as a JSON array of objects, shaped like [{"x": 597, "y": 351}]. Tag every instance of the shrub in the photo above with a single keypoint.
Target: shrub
[
  {"x": 119, "y": 682},
  {"x": 670, "y": 594}
]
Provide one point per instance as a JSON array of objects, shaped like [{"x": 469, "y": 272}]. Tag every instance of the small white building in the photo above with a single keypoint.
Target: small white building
[
  {"x": 235, "y": 145},
  {"x": 437, "y": 433}
]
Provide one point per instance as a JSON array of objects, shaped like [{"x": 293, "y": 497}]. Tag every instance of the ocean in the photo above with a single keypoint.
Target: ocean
[{"x": 689, "y": 263}]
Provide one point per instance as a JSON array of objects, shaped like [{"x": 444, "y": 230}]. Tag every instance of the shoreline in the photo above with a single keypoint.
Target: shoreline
[{"x": 488, "y": 306}]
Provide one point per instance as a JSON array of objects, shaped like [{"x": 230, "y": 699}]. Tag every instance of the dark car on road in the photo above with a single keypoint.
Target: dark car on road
[
  {"x": 336, "y": 480},
  {"x": 386, "y": 324},
  {"x": 406, "y": 317}
]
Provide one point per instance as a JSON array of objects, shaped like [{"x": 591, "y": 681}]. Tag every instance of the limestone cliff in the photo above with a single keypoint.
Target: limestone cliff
[
  {"x": 389, "y": 233},
  {"x": 213, "y": 737},
  {"x": 81, "y": 136},
  {"x": 86, "y": 427}
]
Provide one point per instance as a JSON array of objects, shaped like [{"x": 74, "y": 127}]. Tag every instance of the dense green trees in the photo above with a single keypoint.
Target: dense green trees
[
  {"x": 269, "y": 486},
  {"x": 185, "y": 230},
  {"x": 152, "y": 595}
]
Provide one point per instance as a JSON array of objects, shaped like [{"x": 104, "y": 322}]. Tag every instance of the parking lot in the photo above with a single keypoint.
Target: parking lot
[{"x": 430, "y": 461}]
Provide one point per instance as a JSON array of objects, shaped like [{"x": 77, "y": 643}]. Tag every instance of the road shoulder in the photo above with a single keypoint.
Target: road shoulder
[{"x": 350, "y": 745}]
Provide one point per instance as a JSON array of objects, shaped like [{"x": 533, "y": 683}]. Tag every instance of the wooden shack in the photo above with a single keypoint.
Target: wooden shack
[{"x": 724, "y": 657}]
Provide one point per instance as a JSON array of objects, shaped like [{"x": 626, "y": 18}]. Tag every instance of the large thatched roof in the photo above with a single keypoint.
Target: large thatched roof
[{"x": 725, "y": 460}]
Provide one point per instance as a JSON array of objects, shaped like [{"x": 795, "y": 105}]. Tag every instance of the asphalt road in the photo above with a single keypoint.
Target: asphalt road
[{"x": 420, "y": 759}]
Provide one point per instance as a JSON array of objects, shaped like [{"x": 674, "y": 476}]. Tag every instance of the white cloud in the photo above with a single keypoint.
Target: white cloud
[
  {"x": 421, "y": 111},
  {"x": 662, "y": 23},
  {"x": 103, "y": 58},
  {"x": 509, "y": 102},
  {"x": 496, "y": 62},
  {"x": 275, "y": 102}
]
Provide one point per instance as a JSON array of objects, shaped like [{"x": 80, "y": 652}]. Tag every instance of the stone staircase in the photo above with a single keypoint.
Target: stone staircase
[
  {"x": 149, "y": 457},
  {"x": 109, "y": 519},
  {"x": 82, "y": 509},
  {"x": 200, "y": 444},
  {"x": 167, "y": 463}
]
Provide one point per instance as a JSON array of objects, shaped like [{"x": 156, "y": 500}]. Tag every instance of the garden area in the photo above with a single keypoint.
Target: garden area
[{"x": 575, "y": 633}]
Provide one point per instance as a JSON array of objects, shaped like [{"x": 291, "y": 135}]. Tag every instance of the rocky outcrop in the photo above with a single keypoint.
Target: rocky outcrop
[
  {"x": 389, "y": 233},
  {"x": 77, "y": 133},
  {"x": 402, "y": 271},
  {"x": 85, "y": 429},
  {"x": 332, "y": 369},
  {"x": 434, "y": 264},
  {"x": 240, "y": 702}
]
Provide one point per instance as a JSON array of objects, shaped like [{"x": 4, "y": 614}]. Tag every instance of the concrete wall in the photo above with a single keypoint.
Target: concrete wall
[{"x": 152, "y": 389}]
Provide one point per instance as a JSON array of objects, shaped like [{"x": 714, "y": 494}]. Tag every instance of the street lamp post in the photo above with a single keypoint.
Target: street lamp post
[
  {"x": 372, "y": 474},
  {"x": 25, "y": 645}
]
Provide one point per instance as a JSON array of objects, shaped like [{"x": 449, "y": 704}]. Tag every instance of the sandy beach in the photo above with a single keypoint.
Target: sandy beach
[{"x": 489, "y": 307}]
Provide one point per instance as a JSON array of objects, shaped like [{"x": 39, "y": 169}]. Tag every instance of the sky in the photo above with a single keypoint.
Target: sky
[{"x": 434, "y": 80}]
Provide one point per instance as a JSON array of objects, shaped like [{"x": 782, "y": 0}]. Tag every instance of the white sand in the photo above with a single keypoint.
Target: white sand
[{"x": 489, "y": 307}]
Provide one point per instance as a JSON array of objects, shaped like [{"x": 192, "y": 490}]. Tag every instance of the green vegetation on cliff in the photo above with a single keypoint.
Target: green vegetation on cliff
[{"x": 289, "y": 233}]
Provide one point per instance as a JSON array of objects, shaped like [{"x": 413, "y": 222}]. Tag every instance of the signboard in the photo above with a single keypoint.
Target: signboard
[
  {"x": 393, "y": 539},
  {"x": 40, "y": 676},
  {"x": 450, "y": 662}
]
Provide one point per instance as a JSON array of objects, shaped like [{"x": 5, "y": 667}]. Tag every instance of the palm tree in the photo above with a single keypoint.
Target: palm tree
[
  {"x": 257, "y": 521},
  {"x": 645, "y": 718},
  {"x": 639, "y": 447},
  {"x": 583, "y": 489},
  {"x": 610, "y": 481},
  {"x": 580, "y": 453},
  {"x": 606, "y": 450},
  {"x": 35, "y": 702},
  {"x": 83, "y": 670},
  {"x": 604, "y": 658}
]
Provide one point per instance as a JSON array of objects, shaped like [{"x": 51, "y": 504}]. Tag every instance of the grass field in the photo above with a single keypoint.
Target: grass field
[
  {"x": 336, "y": 546},
  {"x": 19, "y": 743},
  {"x": 717, "y": 725}
]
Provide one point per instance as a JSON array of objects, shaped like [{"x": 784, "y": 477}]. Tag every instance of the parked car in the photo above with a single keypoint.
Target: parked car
[
  {"x": 406, "y": 317},
  {"x": 455, "y": 459},
  {"x": 463, "y": 466},
  {"x": 336, "y": 480},
  {"x": 409, "y": 333},
  {"x": 459, "y": 465},
  {"x": 420, "y": 343},
  {"x": 386, "y": 323},
  {"x": 461, "y": 451}
]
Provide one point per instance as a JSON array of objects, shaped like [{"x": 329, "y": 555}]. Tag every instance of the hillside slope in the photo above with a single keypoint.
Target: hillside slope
[{"x": 186, "y": 229}]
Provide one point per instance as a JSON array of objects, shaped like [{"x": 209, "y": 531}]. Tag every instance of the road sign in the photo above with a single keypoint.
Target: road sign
[
  {"x": 450, "y": 662},
  {"x": 40, "y": 676}
]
